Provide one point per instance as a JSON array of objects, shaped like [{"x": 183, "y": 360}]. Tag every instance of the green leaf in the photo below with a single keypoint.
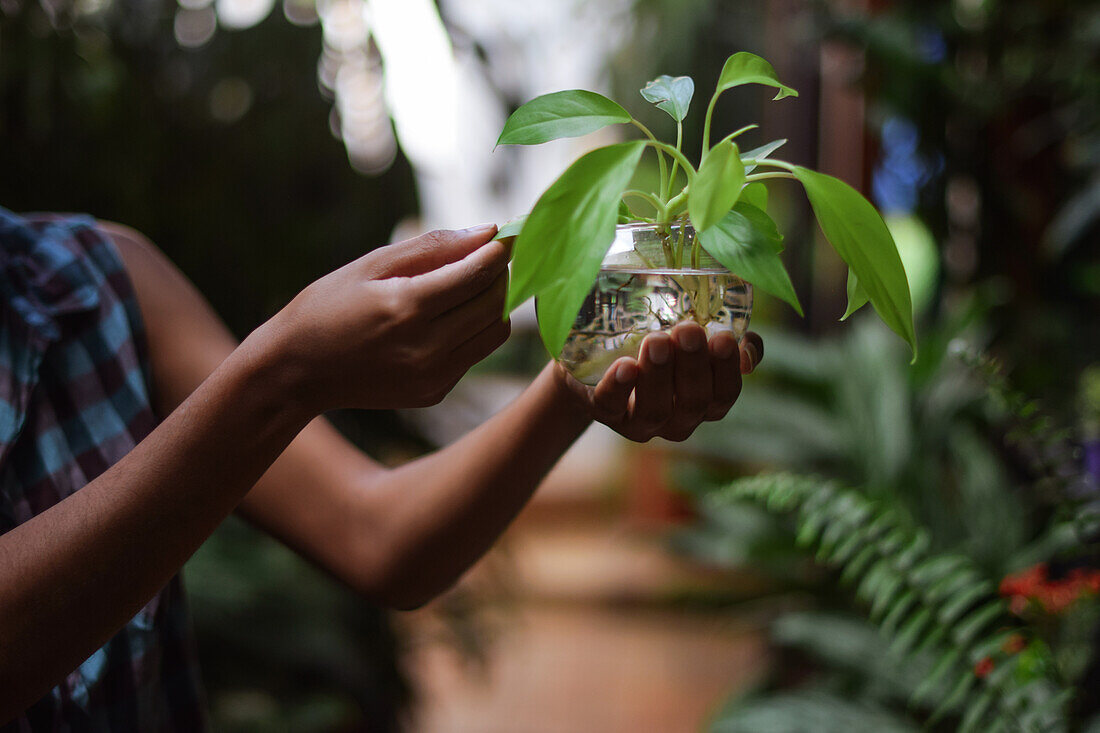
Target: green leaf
[
  {"x": 976, "y": 622},
  {"x": 885, "y": 593},
  {"x": 859, "y": 235},
  {"x": 716, "y": 187},
  {"x": 910, "y": 633},
  {"x": 576, "y": 213},
  {"x": 975, "y": 712},
  {"x": 747, "y": 243},
  {"x": 672, "y": 94},
  {"x": 951, "y": 584},
  {"x": 858, "y": 564},
  {"x": 879, "y": 574},
  {"x": 962, "y": 601},
  {"x": 558, "y": 253},
  {"x": 902, "y": 606},
  {"x": 856, "y": 297},
  {"x": 755, "y": 194},
  {"x": 937, "y": 678},
  {"x": 570, "y": 113},
  {"x": 761, "y": 153},
  {"x": 748, "y": 68},
  {"x": 936, "y": 634},
  {"x": 626, "y": 215},
  {"x": 846, "y": 548},
  {"x": 913, "y": 551},
  {"x": 511, "y": 228},
  {"x": 935, "y": 568},
  {"x": 965, "y": 681}
]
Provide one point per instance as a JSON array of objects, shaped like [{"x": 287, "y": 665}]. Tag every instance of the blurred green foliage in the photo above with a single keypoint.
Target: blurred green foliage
[
  {"x": 951, "y": 466},
  {"x": 1005, "y": 96},
  {"x": 1000, "y": 101}
]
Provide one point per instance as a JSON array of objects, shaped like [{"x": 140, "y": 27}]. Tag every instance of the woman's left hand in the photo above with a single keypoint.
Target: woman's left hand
[{"x": 678, "y": 381}]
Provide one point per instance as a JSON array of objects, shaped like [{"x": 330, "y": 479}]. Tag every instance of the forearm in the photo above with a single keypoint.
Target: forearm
[
  {"x": 449, "y": 507},
  {"x": 73, "y": 575}
]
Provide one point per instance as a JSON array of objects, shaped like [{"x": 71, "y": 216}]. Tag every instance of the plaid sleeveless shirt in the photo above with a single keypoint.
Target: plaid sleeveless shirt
[{"x": 74, "y": 399}]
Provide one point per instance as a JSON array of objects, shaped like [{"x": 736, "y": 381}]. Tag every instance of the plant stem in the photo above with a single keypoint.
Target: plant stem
[
  {"x": 706, "y": 124},
  {"x": 771, "y": 162},
  {"x": 689, "y": 169},
  {"x": 674, "y": 203},
  {"x": 764, "y": 176},
  {"x": 657, "y": 146},
  {"x": 670, "y": 256},
  {"x": 652, "y": 200},
  {"x": 738, "y": 133},
  {"x": 675, "y": 163}
]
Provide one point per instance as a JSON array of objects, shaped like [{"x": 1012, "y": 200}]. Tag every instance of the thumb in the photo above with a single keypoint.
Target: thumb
[{"x": 430, "y": 251}]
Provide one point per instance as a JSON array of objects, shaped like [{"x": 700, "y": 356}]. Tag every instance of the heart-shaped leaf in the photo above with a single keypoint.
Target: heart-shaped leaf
[
  {"x": 570, "y": 113},
  {"x": 716, "y": 186},
  {"x": 670, "y": 93},
  {"x": 856, "y": 297},
  {"x": 748, "y": 68},
  {"x": 859, "y": 235},
  {"x": 575, "y": 215},
  {"x": 748, "y": 244}
]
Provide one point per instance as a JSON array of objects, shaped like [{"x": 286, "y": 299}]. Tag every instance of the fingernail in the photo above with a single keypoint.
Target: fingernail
[
  {"x": 750, "y": 349},
  {"x": 626, "y": 373},
  {"x": 659, "y": 351},
  {"x": 479, "y": 229},
  {"x": 725, "y": 347},
  {"x": 692, "y": 339}
]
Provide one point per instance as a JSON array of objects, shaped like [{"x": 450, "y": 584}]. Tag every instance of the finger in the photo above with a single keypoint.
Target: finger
[
  {"x": 459, "y": 323},
  {"x": 653, "y": 396},
  {"x": 725, "y": 360},
  {"x": 691, "y": 378},
  {"x": 611, "y": 398},
  {"x": 475, "y": 349},
  {"x": 752, "y": 351},
  {"x": 429, "y": 251},
  {"x": 453, "y": 284}
]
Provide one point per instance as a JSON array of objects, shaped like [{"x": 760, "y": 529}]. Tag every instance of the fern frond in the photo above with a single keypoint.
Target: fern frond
[{"x": 924, "y": 602}]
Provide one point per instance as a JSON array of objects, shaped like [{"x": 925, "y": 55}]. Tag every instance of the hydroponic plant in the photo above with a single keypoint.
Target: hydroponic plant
[{"x": 695, "y": 241}]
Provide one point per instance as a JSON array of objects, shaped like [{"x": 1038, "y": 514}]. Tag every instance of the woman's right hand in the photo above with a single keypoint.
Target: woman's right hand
[{"x": 397, "y": 327}]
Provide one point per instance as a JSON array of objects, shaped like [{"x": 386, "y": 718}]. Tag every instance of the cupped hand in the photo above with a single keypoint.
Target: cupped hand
[
  {"x": 399, "y": 326},
  {"x": 679, "y": 380}
]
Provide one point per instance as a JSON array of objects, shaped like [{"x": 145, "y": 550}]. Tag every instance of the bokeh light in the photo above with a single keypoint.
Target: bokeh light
[{"x": 193, "y": 28}]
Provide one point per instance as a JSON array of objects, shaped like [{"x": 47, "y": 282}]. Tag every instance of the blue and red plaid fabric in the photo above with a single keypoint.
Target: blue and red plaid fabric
[{"x": 74, "y": 399}]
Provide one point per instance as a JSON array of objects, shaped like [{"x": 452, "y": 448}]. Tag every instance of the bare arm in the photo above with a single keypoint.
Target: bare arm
[
  {"x": 398, "y": 536},
  {"x": 73, "y": 575},
  {"x": 401, "y": 536}
]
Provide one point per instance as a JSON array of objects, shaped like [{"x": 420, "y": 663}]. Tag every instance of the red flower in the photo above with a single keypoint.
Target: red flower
[
  {"x": 1053, "y": 596},
  {"x": 983, "y": 668},
  {"x": 1086, "y": 579},
  {"x": 1026, "y": 582}
]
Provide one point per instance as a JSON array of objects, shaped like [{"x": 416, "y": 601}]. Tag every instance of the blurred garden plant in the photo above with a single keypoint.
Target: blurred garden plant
[
  {"x": 561, "y": 244},
  {"x": 975, "y": 571}
]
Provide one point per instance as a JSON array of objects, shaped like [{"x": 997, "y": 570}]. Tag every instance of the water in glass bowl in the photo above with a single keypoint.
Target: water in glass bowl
[{"x": 625, "y": 306}]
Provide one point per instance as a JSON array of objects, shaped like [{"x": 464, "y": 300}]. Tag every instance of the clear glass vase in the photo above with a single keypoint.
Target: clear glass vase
[{"x": 641, "y": 290}]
